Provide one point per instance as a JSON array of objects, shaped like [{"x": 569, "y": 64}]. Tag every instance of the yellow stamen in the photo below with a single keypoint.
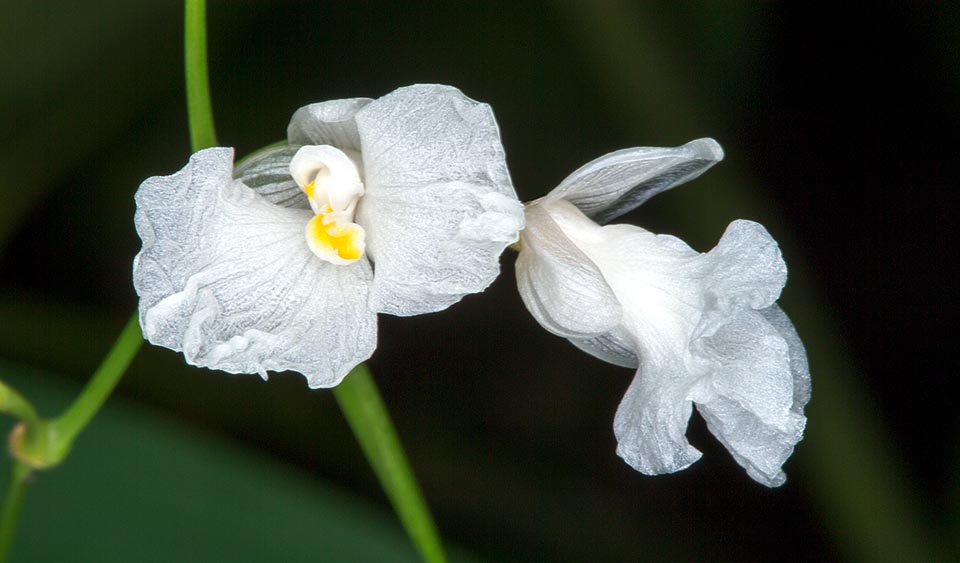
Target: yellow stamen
[
  {"x": 328, "y": 238},
  {"x": 309, "y": 189}
]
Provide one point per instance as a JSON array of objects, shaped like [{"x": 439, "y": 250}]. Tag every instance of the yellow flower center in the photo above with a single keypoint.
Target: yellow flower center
[{"x": 331, "y": 180}]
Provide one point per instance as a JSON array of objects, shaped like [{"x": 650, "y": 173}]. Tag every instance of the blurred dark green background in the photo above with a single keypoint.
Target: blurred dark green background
[{"x": 840, "y": 127}]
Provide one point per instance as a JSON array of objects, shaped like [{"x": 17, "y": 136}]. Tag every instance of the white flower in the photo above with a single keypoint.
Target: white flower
[
  {"x": 399, "y": 205},
  {"x": 701, "y": 329}
]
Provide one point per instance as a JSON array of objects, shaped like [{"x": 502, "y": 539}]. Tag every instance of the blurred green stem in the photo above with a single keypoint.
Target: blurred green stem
[
  {"x": 104, "y": 380},
  {"x": 12, "y": 504},
  {"x": 39, "y": 444},
  {"x": 12, "y": 402},
  {"x": 45, "y": 443},
  {"x": 364, "y": 410}
]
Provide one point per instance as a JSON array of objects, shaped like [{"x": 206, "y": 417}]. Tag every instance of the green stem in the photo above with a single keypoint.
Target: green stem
[
  {"x": 368, "y": 418},
  {"x": 12, "y": 505},
  {"x": 199, "y": 109},
  {"x": 41, "y": 443},
  {"x": 12, "y": 402},
  {"x": 104, "y": 380}
]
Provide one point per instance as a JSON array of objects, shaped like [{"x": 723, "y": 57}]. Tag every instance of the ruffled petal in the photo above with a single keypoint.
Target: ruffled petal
[
  {"x": 561, "y": 287},
  {"x": 433, "y": 244},
  {"x": 267, "y": 172},
  {"x": 439, "y": 207},
  {"x": 773, "y": 372},
  {"x": 227, "y": 278},
  {"x": 798, "y": 355},
  {"x": 651, "y": 421},
  {"x": 431, "y": 134},
  {"x": 620, "y": 181},
  {"x": 749, "y": 401},
  {"x": 702, "y": 330},
  {"x": 327, "y": 123}
]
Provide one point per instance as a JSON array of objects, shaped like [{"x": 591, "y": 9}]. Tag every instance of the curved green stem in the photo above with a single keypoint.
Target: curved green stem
[
  {"x": 199, "y": 109},
  {"x": 104, "y": 380},
  {"x": 364, "y": 410},
  {"x": 42, "y": 443},
  {"x": 12, "y": 505},
  {"x": 12, "y": 402}
]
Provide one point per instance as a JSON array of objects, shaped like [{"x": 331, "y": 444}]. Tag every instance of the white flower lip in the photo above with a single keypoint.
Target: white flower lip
[
  {"x": 701, "y": 330},
  {"x": 233, "y": 271}
]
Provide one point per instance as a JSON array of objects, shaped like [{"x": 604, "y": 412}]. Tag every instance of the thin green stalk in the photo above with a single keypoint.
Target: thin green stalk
[
  {"x": 104, "y": 380},
  {"x": 199, "y": 109},
  {"x": 12, "y": 505},
  {"x": 46, "y": 444},
  {"x": 12, "y": 402},
  {"x": 41, "y": 443},
  {"x": 368, "y": 418}
]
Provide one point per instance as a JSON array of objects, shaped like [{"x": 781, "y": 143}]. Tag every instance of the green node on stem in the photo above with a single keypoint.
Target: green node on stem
[{"x": 38, "y": 445}]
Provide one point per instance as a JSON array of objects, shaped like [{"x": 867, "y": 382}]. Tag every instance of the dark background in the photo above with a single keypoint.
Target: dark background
[{"x": 839, "y": 125}]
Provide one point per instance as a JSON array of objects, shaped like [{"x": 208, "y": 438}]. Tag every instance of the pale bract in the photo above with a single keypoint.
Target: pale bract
[
  {"x": 701, "y": 329},
  {"x": 398, "y": 205}
]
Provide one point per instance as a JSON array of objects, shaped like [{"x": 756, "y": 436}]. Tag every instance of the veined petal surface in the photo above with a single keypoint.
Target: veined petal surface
[
  {"x": 703, "y": 330},
  {"x": 431, "y": 134},
  {"x": 226, "y": 277},
  {"x": 267, "y": 172},
  {"x": 618, "y": 182},
  {"x": 439, "y": 206},
  {"x": 327, "y": 123},
  {"x": 562, "y": 288},
  {"x": 433, "y": 244}
]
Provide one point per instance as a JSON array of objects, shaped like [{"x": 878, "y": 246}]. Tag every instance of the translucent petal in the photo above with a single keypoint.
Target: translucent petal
[
  {"x": 620, "y": 181},
  {"x": 267, "y": 172},
  {"x": 614, "y": 347},
  {"x": 433, "y": 244},
  {"x": 227, "y": 278},
  {"x": 561, "y": 287},
  {"x": 327, "y": 123},
  {"x": 798, "y": 355},
  {"x": 431, "y": 134}
]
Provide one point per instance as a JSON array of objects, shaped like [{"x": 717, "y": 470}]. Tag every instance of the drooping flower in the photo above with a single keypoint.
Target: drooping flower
[
  {"x": 399, "y": 205},
  {"x": 700, "y": 329}
]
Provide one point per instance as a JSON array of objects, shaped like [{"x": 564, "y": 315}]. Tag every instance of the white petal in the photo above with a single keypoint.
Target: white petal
[
  {"x": 759, "y": 445},
  {"x": 431, "y": 134},
  {"x": 798, "y": 355},
  {"x": 433, "y": 244},
  {"x": 327, "y": 123},
  {"x": 620, "y": 181},
  {"x": 227, "y": 278},
  {"x": 267, "y": 172},
  {"x": 651, "y": 421},
  {"x": 561, "y": 287},
  {"x": 698, "y": 325},
  {"x": 439, "y": 206},
  {"x": 615, "y": 347},
  {"x": 749, "y": 401}
]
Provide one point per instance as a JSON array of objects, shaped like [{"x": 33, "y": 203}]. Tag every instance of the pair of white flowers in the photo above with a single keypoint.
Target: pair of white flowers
[{"x": 403, "y": 205}]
